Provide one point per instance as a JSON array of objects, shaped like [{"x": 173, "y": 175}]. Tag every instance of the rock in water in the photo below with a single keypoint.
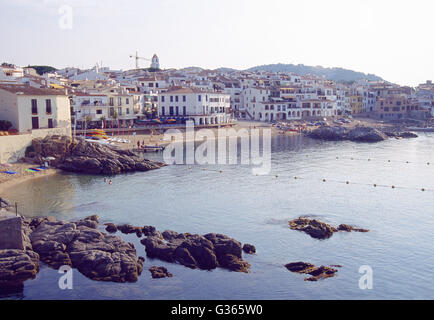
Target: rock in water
[
  {"x": 366, "y": 134},
  {"x": 316, "y": 273},
  {"x": 95, "y": 254},
  {"x": 197, "y": 252},
  {"x": 319, "y": 230},
  {"x": 312, "y": 227},
  {"x": 249, "y": 248},
  {"x": 328, "y": 133},
  {"x": 160, "y": 272},
  {"x": 89, "y": 157},
  {"x": 17, "y": 266}
]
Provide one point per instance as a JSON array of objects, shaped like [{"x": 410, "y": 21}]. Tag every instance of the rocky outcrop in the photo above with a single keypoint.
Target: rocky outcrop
[
  {"x": 319, "y": 230},
  {"x": 359, "y": 134},
  {"x": 316, "y": 273},
  {"x": 17, "y": 266},
  {"x": 95, "y": 254},
  {"x": 197, "y": 252},
  {"x": 160, "y": 272},
  {"x": 365, "y": 134},
  {"x": 88, "y": 157},
  {"x": 249, "y": 248}
]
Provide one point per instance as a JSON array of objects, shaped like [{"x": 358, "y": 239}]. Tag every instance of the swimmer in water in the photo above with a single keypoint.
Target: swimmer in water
[{"x": 110, "y": 181}]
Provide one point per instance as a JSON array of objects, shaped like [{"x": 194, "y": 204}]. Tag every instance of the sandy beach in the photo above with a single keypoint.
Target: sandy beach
[{"x": 9, "y": 180}]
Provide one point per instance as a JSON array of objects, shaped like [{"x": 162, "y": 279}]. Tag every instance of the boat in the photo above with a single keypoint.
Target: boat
[{"x": 153, "y": 148}]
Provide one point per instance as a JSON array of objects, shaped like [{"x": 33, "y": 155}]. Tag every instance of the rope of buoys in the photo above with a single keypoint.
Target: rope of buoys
[
  {"x": 382, "y": 160},
  {"x": 346, "y": 182}
]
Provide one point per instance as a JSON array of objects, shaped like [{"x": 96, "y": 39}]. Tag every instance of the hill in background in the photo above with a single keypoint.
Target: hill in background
[{"x": 336, "y": 74}]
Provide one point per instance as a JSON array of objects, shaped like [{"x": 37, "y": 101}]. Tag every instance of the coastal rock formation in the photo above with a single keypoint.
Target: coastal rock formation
[
  {"x": 399, "y": 135},
  {"x": 319, "y": 230},
  {"x": 249, "y": 248},
  {"x": 365, "y": 134},
  {"x": 197, "y": 252},
  {"x": 88, "y": 157},
  {"x": 95, "y": 254},
  {"x": 359, "y": 134},
  {"x": 160, "y": 272},
  {"x": 328, "y": 133},
  {"x": 17, "y": 266},
  {"x": 316, "y": 273},
  {"x": 110, "y": 227}
]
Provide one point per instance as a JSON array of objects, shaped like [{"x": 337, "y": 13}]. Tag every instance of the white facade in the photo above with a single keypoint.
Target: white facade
[{"x": 203, "y": 107}]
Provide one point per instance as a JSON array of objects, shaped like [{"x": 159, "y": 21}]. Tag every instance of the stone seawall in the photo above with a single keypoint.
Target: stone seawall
[{"x": 12, "y": 148}]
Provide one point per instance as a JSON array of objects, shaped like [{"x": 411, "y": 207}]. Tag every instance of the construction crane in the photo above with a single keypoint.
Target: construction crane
[{"x": 137, "y": 59}]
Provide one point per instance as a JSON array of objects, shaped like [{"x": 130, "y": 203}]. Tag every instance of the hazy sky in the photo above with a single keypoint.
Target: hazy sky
[{"x": 393, "y": 39}]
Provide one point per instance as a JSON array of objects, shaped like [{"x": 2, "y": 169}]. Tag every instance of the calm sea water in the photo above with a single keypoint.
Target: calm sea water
[{"x": 256, "y": 209}]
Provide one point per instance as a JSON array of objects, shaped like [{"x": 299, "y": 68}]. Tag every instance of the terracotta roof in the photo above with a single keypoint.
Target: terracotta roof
[{"x": 31, "y": 91}]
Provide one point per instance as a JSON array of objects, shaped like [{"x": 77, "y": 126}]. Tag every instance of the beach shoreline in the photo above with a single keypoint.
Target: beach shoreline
[{"x": 9, "y": 181}]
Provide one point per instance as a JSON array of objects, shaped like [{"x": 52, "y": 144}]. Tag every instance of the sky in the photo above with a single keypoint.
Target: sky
[{"x": 392, "y": 39}]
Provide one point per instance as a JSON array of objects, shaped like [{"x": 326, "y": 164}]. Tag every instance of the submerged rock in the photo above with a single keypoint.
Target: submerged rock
[
  {"x": 316, "y": 273},
  {"x": 249, "y": 248},
  {"x": 320, "y": 230},
  {"x": 83, "y": 156},
  {"x": 160, "y": 272},
  {"x": 197, "y": 252}
]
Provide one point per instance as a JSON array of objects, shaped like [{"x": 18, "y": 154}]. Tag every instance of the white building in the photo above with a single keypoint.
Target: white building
[
  {"x": 29, "y": 108},
  {"x": 155, "y": 63},
  {"x": 203, "y": 107}
]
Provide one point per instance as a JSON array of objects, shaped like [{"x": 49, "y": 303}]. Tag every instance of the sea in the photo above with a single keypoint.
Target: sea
[{"x": 386, "y": 187}]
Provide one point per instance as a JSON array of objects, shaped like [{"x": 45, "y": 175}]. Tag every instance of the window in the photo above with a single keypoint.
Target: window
[
  {"x": 98, "y": 111},
  {"x": 120, "y": 111},
  {"x": 176, "y": 98},
  {"x": 35, "y": 123},
  {"x": 50, "y": 123},
  {"x": 199, "y": 98},
  {"x": 162, "y": 111},
  {"x": 162, "y": 98},
  {"x": 171, "y": 111},
  {"x": 34, "y": 107},
  {"x": 177, "y": 111},
  {"x": 127, "y": 101},
  {"x": 119, "y": 101},
  {"x": 111, "y": 101},
  {"x": 184, "y": 98},
  {"x": 48, "y": 106},
  {"x": 156, "y": 84},
  {"x": 151, "y": 85},
  {"x": 112, "y": 112},
  {"x": 171, "y": 98},
  {"x": 127, "y": 110},
  {"x": 184, "y": 110}
]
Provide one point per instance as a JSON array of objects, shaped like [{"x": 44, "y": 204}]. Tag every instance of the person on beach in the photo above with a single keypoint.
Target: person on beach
[
  {"x": 138, "y": 144},
  {"x": 110, "y": 181},
  {"x": 105, "y": 180}
]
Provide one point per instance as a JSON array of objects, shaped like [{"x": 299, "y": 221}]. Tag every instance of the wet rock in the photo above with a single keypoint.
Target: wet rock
[
  {"x": 128, "y": 229},
  {"x": 196, "y": 251},
  {"x": 160, "y": 272},
  {"x": 320, "y": 230},
  {"x": 407, "y": 134},
  {"x": 111, "y": 227},
  {"x": 96, "y": 255},
  {"x": 347, "y": 228},
  {"x": 88, "y": 157},
  {"x": 249, "y": 248},
  {"x": 150, "y": 231},
  {"x": 316, "y": 273},
  {"x": 17, "y": 266},
  {"x": 312, "y": 227}
]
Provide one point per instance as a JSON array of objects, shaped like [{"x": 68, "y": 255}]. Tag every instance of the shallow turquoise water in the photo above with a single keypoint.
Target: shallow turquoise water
[{"x": 255, "y": 209}]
